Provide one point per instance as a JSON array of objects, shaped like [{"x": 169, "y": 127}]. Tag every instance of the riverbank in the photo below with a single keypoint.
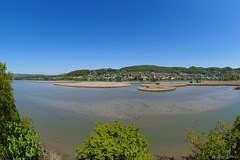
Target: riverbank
[
  {"x": 215, "y": 83},
  {"x": 94, "y": 84},
  {"x": 171, "y": 86}
]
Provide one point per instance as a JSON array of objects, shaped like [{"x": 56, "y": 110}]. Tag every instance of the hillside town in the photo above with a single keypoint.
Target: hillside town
[{"x": 151, "y": 77}]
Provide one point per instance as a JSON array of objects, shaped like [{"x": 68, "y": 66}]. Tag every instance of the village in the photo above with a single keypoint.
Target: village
[{"x": 141, "y": 76}]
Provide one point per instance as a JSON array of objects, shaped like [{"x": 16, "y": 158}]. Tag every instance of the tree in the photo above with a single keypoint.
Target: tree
[
  {"x": 115, "y": 142},
  {"x": 222, "y": 142},
  {"x": 18, "y": 140},
  {"x": 8, "y": 111},
  {"x": 118, "y": 79}
]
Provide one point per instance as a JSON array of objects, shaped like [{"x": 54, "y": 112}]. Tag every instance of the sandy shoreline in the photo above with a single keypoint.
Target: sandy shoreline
[
  {"x": 171, "y": 86},
  {"x": 94, "y": 84},
  {"x": 215, "y": 83}
]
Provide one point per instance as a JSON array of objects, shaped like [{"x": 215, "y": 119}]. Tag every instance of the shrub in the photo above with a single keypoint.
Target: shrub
[
  {"x": 147, "y": 86},
  {"x": 191, "y": 81},
  {"x": 118, "y": 79},
  {"x": 154, "y": 79},
  {"x": 20, "y": 141},
  {"x": 115, "y": 142},
  {"x": 157, "y": 83},
  {"x": 222, "y": 142},
  {"x": 8, "y": 111}
]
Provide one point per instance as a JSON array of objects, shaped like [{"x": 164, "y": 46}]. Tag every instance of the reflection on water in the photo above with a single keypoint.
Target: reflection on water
[{"x": 63, "y": 116}]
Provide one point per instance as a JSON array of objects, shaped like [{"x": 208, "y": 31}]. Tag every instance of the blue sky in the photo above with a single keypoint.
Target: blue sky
[{"x": 58, "y": 36}]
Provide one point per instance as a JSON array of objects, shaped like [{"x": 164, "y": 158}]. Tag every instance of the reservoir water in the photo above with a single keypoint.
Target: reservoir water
[{"x": 64, "y": 116}]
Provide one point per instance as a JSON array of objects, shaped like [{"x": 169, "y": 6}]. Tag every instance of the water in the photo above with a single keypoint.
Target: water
[{"x": 64, "y": 116}]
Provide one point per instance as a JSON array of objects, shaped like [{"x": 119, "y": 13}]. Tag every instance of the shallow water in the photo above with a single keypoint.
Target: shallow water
[{"x": 63, "y": 116}]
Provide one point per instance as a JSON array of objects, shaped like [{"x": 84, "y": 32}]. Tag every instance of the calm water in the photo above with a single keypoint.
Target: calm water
[{"x": 64, "y": 116}]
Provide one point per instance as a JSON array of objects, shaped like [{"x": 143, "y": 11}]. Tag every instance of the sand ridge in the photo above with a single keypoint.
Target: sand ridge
[
  {"x": 94, "y": 84},
  {"x": 171, "y": 86}
]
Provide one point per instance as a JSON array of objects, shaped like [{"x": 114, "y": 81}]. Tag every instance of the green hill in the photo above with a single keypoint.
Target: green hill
[{"x": 157, "y": 69}]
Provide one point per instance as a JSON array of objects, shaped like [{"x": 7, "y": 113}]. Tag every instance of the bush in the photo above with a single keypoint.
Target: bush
[
  {"x": 157, "y": 83},
  {"x": 147, "y": 86},
  {"x": 115, "y": 142},
  {"x": 154, "y": 79},
  {"x": 118, "y": 79},
  {"x": 222, "y": 142},
  {"x": 191, "y": 81},
  {"x": 20, "y": 141},
  {"x": 8, "y": 111}
]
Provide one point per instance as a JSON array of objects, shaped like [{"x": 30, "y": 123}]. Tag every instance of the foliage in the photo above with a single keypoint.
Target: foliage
[
  {"x": 222, "y": 142},
  {"x": 83, "y": 72},
  {"x": 8, "y": 111},
  {"x": 118, "y": 79},
  {"x": 115, "y": 142},
  {"x": 20, "y": 141},
  {"x": 152, "y": 68},
  {"x": 106, "y": 71},
  {"x": 17, "y": 137},
  {"x": 154, "y": 79}
]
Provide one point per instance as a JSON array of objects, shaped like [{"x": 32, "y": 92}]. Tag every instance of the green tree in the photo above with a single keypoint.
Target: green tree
[
  {"x": 18, "y": 140},
  {"x": 118, "y": 79},
  {"x": 8, "y": 111},
  {"x": 222, "y": 142},
  {"x": 115, "y": 142}
]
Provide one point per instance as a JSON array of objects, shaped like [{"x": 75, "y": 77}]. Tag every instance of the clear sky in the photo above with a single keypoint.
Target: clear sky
[{"x": 58, "y": 36}]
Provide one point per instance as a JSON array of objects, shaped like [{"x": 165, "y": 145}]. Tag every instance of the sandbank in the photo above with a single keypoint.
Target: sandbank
[
  {"x": 94, "y": 84},
  {"x": 215, "y": 83},
  {"x": 171, "y": 86},
  {"x": 157, "y": 89}
]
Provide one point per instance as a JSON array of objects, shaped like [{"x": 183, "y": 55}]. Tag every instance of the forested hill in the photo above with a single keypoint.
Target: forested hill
[{"x": 158, "y": 69}]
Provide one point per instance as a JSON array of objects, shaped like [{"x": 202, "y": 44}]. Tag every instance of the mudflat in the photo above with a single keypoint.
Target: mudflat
[
  {"x": 171, "y": 86},
  {"x": 94, "y": 84},
  {"x": 215, "y": 83}
]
